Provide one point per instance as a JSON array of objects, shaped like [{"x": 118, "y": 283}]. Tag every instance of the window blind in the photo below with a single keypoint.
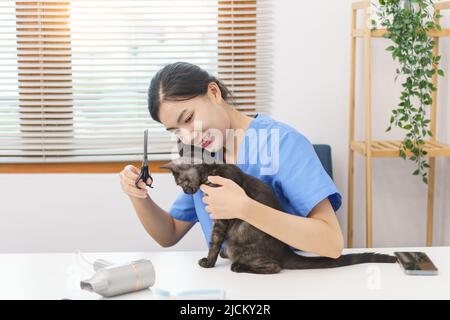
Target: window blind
[{"x": 74, "y": 74}]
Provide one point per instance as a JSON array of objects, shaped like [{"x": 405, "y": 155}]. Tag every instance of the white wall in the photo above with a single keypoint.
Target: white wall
[
  {"x": 312, "y": 56},
  {"x": 64, "y": 212}
]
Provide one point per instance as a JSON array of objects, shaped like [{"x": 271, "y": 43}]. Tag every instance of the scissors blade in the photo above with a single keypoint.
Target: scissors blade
[{"x": 145, "y": 146}]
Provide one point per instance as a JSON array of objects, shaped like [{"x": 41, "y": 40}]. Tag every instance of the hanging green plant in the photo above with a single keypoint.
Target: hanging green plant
[{"x": 407, "y": 23}]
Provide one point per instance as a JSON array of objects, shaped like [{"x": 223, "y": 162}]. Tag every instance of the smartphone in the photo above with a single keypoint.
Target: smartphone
[{"x": 416, "y": 263}]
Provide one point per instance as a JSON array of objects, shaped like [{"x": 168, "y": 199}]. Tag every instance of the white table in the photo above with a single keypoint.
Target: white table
[{"x": 57, "y": 276}]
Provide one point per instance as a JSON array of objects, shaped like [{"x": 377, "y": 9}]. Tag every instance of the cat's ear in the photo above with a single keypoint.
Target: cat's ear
[{"x": 169, "y": 165}]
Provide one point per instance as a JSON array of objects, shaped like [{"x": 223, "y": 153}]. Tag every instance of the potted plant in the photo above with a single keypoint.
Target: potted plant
[{"x": 407, "y": 23}]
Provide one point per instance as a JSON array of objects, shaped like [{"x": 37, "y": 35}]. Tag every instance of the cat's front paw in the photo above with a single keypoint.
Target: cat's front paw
[{"x": 205, "y": 263}]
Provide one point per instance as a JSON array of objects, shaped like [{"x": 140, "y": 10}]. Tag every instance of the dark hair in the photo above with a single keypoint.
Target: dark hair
[{"x": 180, "y": 81}]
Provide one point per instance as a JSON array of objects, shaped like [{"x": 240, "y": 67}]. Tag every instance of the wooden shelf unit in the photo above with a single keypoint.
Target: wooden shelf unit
[
  {"x": 390, "y": 149},
  {"x": 376, "y": 149}
]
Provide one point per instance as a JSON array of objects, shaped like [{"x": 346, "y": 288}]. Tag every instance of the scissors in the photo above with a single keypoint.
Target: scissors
[{"x": 145, "y": 173}]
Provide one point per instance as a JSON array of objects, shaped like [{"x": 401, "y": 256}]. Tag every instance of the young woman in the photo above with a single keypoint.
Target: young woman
[{"x": 182, "y": 95}]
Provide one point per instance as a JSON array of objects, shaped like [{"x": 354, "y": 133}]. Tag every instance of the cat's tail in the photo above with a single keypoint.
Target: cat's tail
[{"x": 295, "y": 261}]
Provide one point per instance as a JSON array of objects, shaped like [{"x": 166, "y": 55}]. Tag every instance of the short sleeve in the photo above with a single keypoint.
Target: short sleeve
[
  {"x": 301, "y": 176},
  {"x": 183, "y": 208}
]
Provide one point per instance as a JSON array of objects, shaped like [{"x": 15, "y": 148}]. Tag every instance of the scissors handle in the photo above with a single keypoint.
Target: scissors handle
[{"x": 144, "y": 175}]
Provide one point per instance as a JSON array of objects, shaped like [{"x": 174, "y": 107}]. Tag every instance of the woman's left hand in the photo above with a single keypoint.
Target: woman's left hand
[{"x": 229, "y": 201}]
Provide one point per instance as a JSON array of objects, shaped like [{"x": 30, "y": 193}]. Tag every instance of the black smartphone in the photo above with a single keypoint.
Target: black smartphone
[{"x": 416, "y": 263}]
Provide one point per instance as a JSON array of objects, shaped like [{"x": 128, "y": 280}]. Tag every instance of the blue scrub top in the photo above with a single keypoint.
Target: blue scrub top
[{"x": 283, "y": 158}]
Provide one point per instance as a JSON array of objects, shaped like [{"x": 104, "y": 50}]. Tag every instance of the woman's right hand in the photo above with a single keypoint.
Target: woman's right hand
[{"x": 128, "y": 178}]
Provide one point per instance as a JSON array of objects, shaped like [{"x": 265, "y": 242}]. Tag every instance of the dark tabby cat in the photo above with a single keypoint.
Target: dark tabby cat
[{"x": 250, "y": 249}]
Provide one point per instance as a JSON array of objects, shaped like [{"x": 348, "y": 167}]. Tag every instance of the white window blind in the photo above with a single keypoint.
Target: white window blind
[{"x": 74, "y": 74}]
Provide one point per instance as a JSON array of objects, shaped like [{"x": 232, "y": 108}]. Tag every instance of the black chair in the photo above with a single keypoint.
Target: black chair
[{"x": 323, "y": 151}]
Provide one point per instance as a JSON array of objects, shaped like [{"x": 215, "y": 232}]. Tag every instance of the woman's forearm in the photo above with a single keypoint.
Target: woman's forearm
[
  {"x": 157, "y": 222},
  {"x": 307, "y": 234}
]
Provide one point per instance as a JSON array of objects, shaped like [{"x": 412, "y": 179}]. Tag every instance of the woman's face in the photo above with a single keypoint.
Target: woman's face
[{"x": 201, "y": 121}]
